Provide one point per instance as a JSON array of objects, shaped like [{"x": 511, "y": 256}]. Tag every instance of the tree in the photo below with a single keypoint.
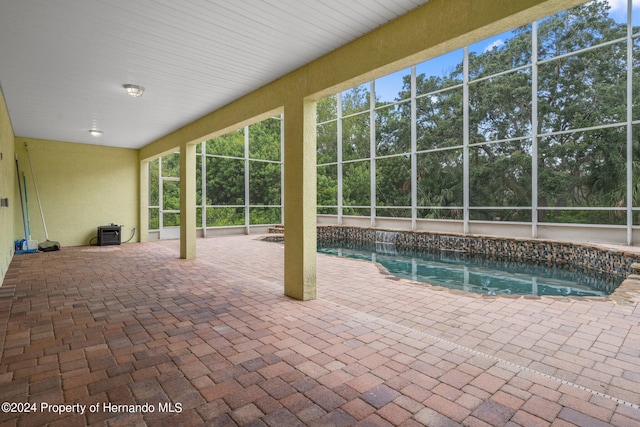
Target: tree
[
  {"x": 576, "y": 169},
  {"x": 585, "y": 168}
]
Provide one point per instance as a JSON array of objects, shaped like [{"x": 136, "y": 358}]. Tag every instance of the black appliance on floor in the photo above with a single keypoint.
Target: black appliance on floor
[{"x": 109, "y": 235}]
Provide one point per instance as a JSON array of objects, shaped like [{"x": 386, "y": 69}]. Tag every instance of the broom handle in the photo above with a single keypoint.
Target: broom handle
[
  {"x": 24, "y": 223},
  {"x": 35, "y": 186},
  {"x": 26, "y": 204}
]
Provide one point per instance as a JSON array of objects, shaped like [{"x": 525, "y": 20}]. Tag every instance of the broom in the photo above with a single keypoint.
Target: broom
[
  {"x": 47, "y": 245},
  {"x": 31, "y": 244},
  {"x": 24, "y": 222}
]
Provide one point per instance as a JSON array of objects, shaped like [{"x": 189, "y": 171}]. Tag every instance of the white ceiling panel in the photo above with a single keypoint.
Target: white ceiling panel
[{"x": 64, "y": 61}]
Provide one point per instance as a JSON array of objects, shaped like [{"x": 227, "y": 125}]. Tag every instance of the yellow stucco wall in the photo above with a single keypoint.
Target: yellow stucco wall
[
  {"x": 82, "y": 187},
  {"x": 7, "y": 184}
]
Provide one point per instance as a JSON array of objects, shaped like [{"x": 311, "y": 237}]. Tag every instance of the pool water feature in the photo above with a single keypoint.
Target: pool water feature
[{"x": 456, "y": 269}]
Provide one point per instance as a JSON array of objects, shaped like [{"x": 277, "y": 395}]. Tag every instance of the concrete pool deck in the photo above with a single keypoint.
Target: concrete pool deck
[{"x": 133, "y": 325}]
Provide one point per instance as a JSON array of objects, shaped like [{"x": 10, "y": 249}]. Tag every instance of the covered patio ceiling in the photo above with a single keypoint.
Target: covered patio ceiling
[{"x": 64, "y": 63}]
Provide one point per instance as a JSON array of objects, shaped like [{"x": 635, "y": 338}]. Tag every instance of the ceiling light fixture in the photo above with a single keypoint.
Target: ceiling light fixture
[
  {"x": 96, "y": 133},
  {"x": 134, "y": 91}
]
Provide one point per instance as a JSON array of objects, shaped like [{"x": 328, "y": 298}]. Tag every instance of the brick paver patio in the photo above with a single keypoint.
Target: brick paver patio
[{"x": 134, "y": 336}]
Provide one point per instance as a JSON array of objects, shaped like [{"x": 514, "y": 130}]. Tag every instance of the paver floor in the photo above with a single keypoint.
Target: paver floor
[{"x": 132, "y": 335}]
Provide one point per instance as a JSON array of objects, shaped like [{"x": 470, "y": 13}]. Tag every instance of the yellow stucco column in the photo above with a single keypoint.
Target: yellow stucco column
[
  {"x": 300, "y": 199},
  {"x": 143, "y": 215},
  {"x": 187, "y": 201}
]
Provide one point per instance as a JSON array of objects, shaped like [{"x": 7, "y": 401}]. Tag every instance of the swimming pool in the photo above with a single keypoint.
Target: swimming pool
[
  {"x": 482, "y": 275},
  {"x": 485, "y": 264},
  {"x": 489, "y": 265}
]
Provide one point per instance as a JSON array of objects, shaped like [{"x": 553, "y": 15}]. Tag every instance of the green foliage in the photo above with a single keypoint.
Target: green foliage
[
  {"x": 225, "y": 181},
  {"x": 327, "y": 184},
  {"x": 589, "y": 89},
  {"x": 326, "y": 109},
  {"x": 356, "y": 185},
  {"x": 393, "y": 183},
  {"x": 171, "y": 195},
  {"x": 264, "y": 180},
  {"x": 230, "y": 144},
  {"x": 154, "y": 187},
  {"x": 171, "y": 165},
  {"x": 224, "y": 216},
  {"x": 154, "y": 219},
  {"x": 264, "y": 140},
  {"x": 225, "y": 164},
  {"x": 327, "y": 142},
  {"x": 575, "y": 91},
  {"x": 265, "y": 215},
  {"x": 356, "y": 100}
]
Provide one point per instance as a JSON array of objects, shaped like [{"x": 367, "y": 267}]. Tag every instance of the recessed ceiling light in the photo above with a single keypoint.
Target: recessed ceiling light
[
  {"x": 95, "y": 132},
  {"x": 134, "y": 90}
]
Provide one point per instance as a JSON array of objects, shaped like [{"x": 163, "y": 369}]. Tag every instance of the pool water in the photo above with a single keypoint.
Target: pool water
[{"x": 498, "y": 276}]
